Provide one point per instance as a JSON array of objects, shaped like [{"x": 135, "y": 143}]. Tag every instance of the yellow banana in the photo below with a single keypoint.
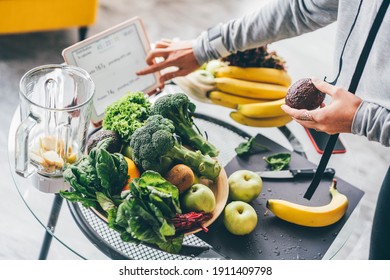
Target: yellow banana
[
  {"x": 266, "y": 122},
  {"x": 255, "y": 74},
  {"x": 231, "y": 98},
  {"x": 309, "y": 215},
  {"x": 223, "y": 103},
  {"x": 251, "y": 89},
  {"x": 262, "y": 110}
]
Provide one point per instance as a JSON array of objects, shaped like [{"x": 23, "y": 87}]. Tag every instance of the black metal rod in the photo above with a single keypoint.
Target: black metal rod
[
  {"x": 321, "y": 166},
  {"x": 51, "y": 224}
]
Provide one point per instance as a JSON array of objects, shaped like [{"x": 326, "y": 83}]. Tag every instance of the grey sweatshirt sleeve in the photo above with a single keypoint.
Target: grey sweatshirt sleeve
[
  {"x": 373, "y": 121},
  {"x": 276, "y": 20}
]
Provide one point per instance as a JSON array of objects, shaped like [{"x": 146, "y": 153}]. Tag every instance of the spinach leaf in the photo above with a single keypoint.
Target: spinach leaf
[
  {"x": 76, "y": 197},
  {"x": 111, "y": 170},
  {"x": 109, "y": 207},
  {"x": 250, "y": 147},
  {"x": 98, "y": 172},
  {"x": 278, "y": 161}
]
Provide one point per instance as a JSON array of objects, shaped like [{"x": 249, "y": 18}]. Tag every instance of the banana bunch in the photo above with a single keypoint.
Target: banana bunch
[
  {"x": 311, "y": 216},
  {"x": 256, "y": 94}
]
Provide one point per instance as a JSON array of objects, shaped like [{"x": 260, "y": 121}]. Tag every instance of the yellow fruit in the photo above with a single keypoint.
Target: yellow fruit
[
  {"x": 132, "y": 171},
  {"x": 311, "y": 216},
  {"x": 265, "y": 122},
  {"x": 255, "y": 74},
  {"x": 262, "y": 110},
  {"x": 71, "y": 158},
  {"x": 251, "y": 89},
  {"x": 231, "y": 98},
  {"x": 224, "y": 103}
]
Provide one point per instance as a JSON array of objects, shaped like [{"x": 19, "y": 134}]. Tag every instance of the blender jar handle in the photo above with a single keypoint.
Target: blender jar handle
[{"x": 22, "y": 158}]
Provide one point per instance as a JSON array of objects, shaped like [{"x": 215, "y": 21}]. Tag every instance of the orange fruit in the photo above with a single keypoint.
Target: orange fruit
[{"x": 132, "y": 171}]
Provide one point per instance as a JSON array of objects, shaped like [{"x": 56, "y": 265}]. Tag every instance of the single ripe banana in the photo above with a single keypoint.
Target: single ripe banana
[
  {"x": 265, "y": 122},
  {"x": 255, "y": 74},
  {"x": 251, "y": 89},
  {"x": 231, "y": 98},
  {"x": 311, "y": 216},
  {"x": 224, "y": 103},
  {"x": 262, "y": 110}
]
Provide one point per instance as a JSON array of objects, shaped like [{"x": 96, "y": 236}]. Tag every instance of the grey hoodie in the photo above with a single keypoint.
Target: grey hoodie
[{"x": 280, "y": 19}]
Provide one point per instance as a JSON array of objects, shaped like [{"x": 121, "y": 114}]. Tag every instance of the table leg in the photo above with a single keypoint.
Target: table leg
[{"x": 54, "y": 213}]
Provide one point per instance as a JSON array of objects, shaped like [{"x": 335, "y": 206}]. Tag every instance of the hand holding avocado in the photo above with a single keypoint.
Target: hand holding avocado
[{"x": 336, "y": 117}]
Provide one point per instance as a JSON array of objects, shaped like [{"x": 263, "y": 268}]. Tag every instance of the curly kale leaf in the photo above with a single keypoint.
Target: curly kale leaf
[{"x": 127, "y": 114}]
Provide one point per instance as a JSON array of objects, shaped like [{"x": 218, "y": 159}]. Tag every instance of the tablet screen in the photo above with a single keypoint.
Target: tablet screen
[{"x": 112, "y": 59}]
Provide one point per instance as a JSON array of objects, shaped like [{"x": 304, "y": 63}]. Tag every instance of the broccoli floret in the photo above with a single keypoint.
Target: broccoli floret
[
  {"x": 155, "y": 148},
  {"x": 179, "y": 109},
  {"x": 127, "y": 114}
]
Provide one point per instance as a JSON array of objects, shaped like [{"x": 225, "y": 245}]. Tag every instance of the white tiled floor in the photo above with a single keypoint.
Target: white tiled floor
[{"x": 364, "y": 164}]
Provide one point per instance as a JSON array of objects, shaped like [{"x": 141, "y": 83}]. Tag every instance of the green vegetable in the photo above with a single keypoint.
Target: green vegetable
[
  {"x": 179, "y": 109},
  {"x": 100, "y": 171},
  {"x": 250, "y": 147},
  {"x": 156, "y": 148},
  {"x": 127, "y": 114},
  {"x": 278, "y": 161},
  {"x": 146, "y": 215}
]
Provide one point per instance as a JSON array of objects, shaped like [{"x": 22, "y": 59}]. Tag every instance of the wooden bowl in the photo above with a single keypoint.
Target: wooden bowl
[{"x": 220, "y": 189}]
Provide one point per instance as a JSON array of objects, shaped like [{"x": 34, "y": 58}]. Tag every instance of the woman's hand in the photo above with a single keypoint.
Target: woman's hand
[
  {"x": 179, "y": 55},
  {"x": 334, "y": 118}
]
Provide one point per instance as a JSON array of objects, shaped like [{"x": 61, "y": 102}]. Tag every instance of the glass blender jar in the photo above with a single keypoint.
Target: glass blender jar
[{"x": 55, "y": 109}]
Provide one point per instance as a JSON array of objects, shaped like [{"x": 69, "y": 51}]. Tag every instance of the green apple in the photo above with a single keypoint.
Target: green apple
[
  {"x": 244, "y": 185},
  {"x": 199, "y": 198},
  {"x": 239, "y": 218}
]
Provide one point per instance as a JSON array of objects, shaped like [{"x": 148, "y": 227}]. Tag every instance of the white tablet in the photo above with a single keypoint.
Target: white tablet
[{"x": 112, "y": 58}]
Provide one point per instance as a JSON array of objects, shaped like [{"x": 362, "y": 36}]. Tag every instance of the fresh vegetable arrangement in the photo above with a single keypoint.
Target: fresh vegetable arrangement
[{"x": 137, "y": 170}]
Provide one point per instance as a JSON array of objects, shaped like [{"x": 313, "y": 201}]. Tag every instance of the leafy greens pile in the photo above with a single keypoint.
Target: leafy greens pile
[
  {"x": 99, "y": 172},
  {"x": 146, "y": 212}
]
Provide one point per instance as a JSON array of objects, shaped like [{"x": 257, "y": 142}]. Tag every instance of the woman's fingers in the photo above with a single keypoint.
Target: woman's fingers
[
  {"x": 302, "y": 114},
  {"x": 164, "y": 53},
  {"x": 171, "y": 75},
  {"x": 162, "y": 45},
  {"x": 323, "y": 86}
]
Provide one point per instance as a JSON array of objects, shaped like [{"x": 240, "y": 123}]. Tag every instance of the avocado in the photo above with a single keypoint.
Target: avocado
[
  {"x": 304, "y": 95},
  {"x": 112, "y": 141}
]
